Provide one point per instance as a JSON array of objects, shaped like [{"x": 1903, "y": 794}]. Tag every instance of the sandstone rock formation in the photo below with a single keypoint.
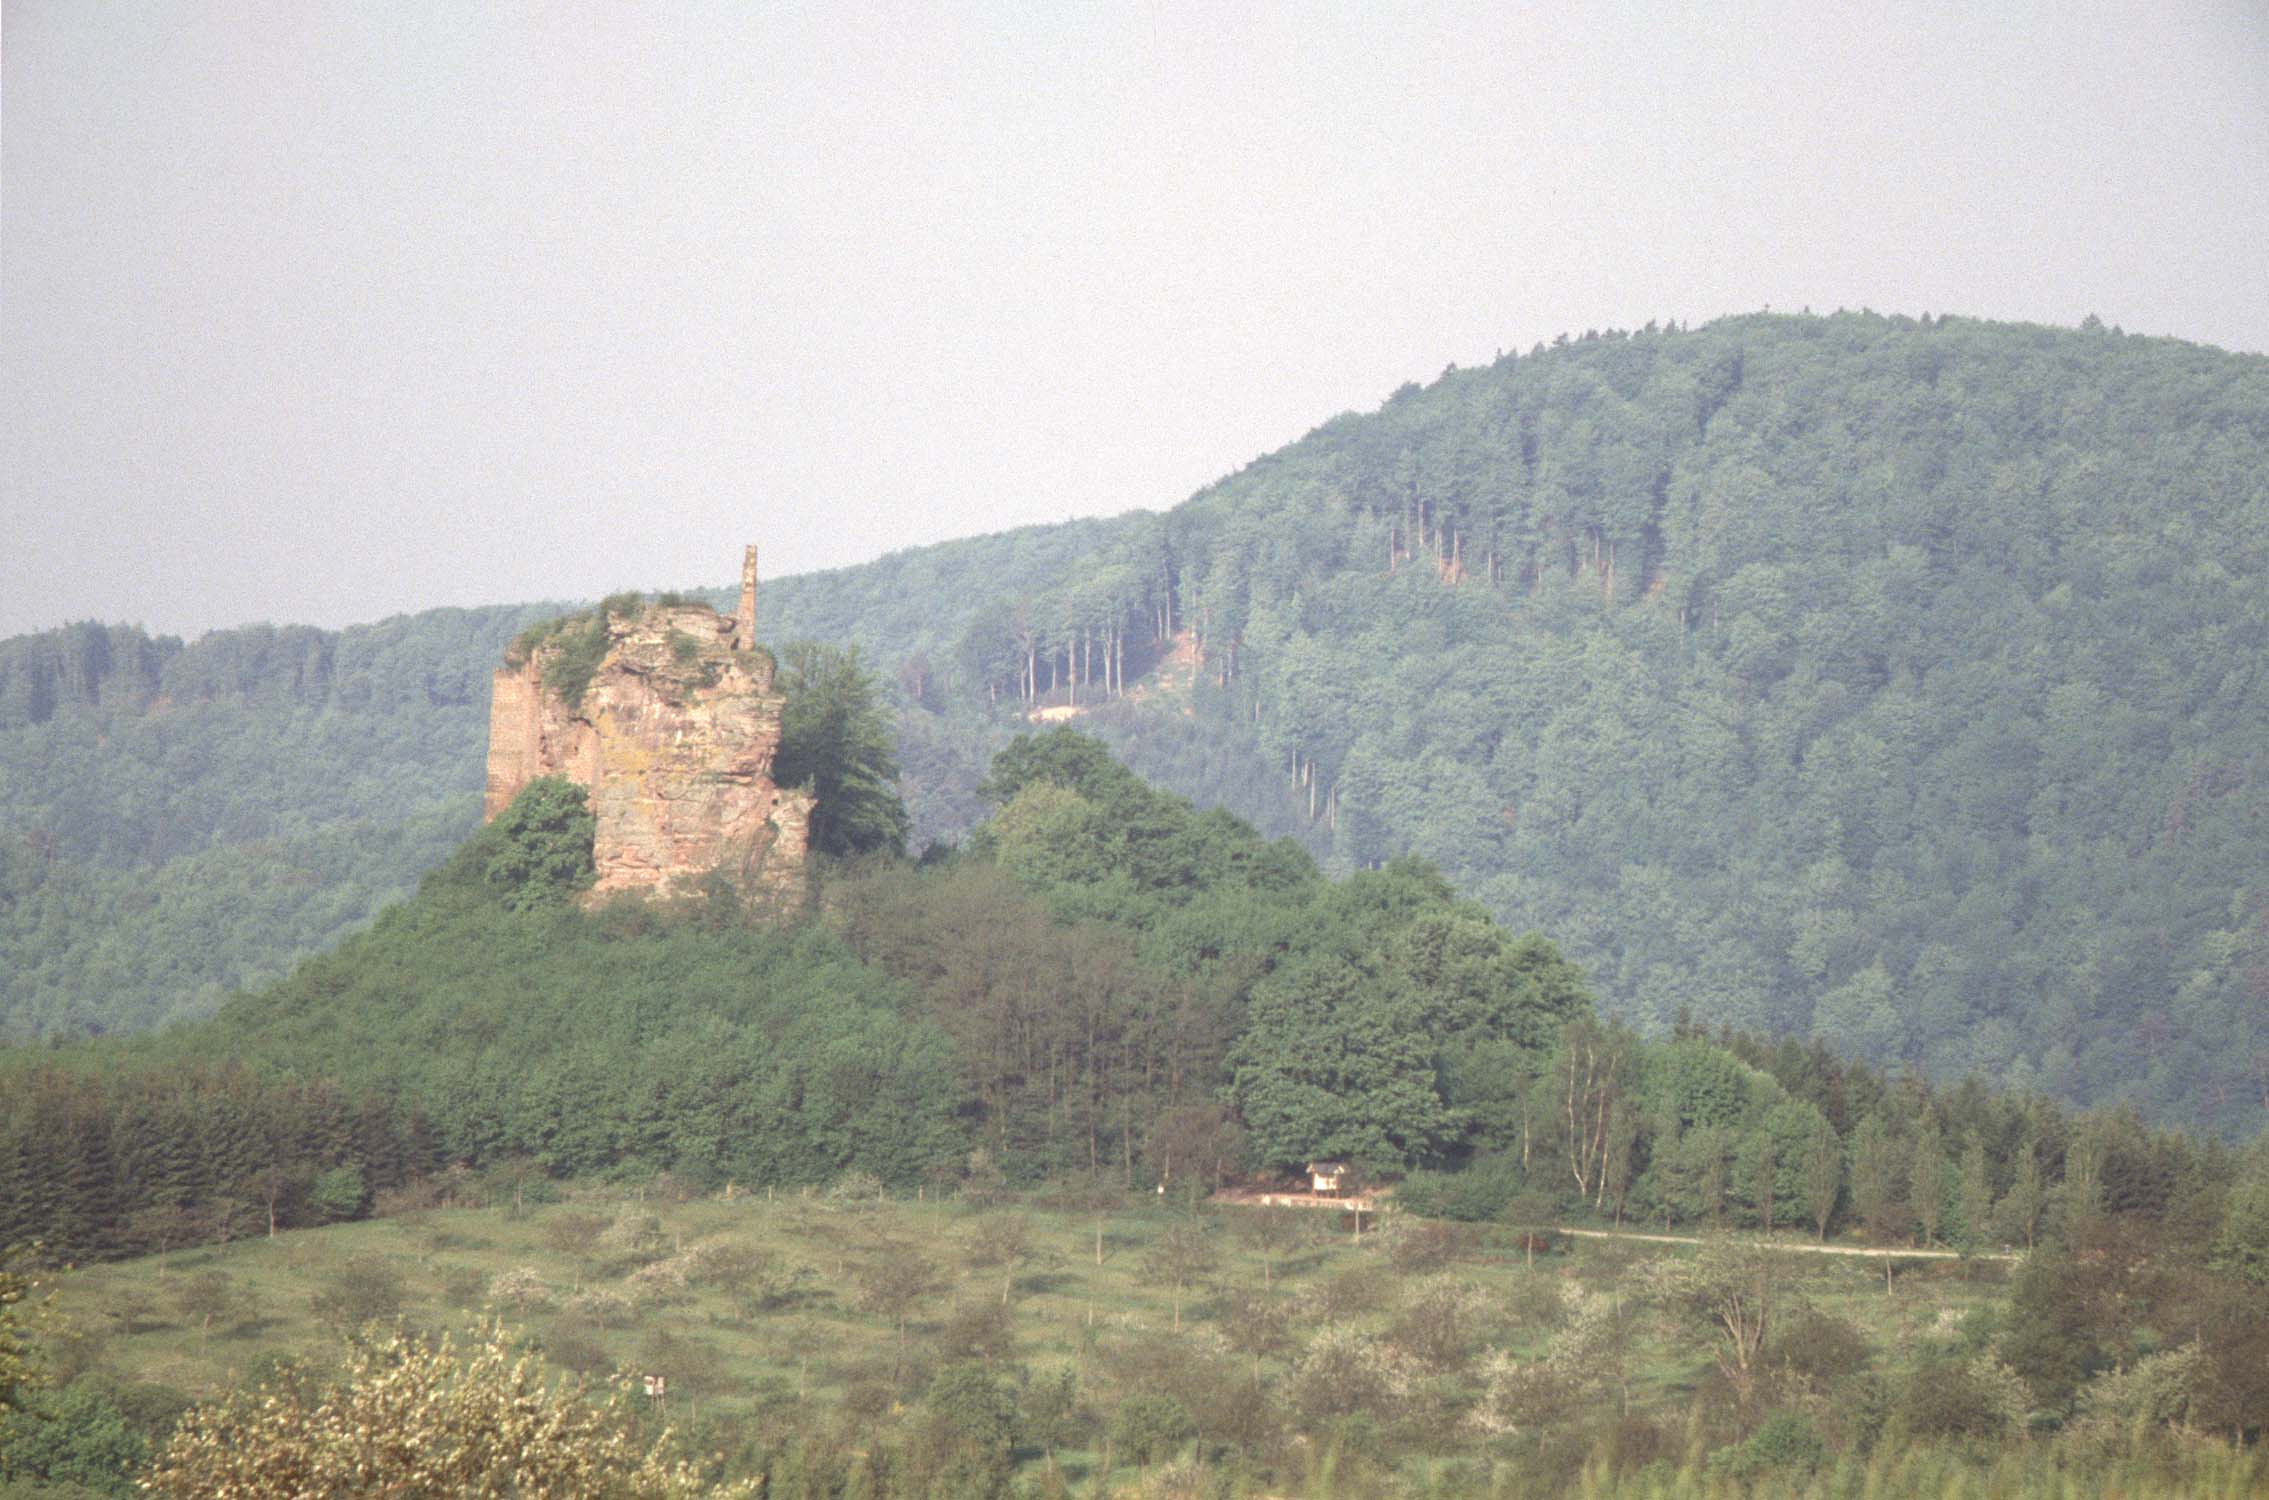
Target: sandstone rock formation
[{"x": 673, "y": 731}]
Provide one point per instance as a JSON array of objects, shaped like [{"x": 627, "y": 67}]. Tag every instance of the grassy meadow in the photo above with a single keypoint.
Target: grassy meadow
[{"x": 822, "y": 1313}]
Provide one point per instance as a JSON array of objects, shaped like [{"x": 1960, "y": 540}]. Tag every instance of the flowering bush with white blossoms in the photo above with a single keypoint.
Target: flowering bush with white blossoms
[{"x": 414, "y": 1421}]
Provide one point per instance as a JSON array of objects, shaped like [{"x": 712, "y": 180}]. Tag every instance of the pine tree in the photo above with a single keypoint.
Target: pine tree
[
  {"x": 1976, "y": 1195},
  {"x": 2021, "y": 1207}
]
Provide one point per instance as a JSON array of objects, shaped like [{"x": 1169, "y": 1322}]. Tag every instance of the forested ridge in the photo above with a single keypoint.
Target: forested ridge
[
  {"x": 178, "y": 821},
  {"x": 1107, "y": 984},
  {"x": 1073, "y": 1030},
  {"x": 1892, "y": 682}
]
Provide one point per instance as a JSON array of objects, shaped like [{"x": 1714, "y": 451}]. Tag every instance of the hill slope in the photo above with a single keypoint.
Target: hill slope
[{"x": 1895, "y": 682}]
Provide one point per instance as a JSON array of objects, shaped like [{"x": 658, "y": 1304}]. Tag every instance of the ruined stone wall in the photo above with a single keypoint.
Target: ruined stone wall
[{"x": 675, "y": 737}]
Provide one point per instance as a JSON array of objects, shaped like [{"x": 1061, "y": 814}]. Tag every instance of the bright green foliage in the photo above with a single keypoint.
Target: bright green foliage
[
  {"x": 537, "y": 852},
  {"x": 1352, "y": 1048},
  {"x": 835, "y": 739},
  {"x": 1065, "y": 757},
  {"x": 971, "y": 1432},
  {"x": 1071, "y": 815},
  {"x": 339, "y": 1193},
  {"x": 590, "y": 1044},
  {"x": 2242, "y": 1246},
  {"x": 1693, "y": 1082},
  {"x": 1150, "y": 1427},
  {"x": 1785, "y": 1447},
  {"x": 573, "y": 646}
]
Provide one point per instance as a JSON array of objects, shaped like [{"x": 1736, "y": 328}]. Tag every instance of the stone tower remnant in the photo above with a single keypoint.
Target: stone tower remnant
[
  {"x": 745, "y": 616},
  {"x": 673, "y": 732}
]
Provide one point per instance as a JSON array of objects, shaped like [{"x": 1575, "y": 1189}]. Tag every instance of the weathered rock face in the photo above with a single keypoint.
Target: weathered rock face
[{"x": 674, "y": 735}]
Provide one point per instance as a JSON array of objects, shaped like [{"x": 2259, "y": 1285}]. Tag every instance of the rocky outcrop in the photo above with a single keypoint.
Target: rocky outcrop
[{"x": 674, "y": 731}]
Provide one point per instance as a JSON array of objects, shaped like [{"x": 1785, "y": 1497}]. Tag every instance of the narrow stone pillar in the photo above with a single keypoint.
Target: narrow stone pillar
[{"x": 745, "y": 616}]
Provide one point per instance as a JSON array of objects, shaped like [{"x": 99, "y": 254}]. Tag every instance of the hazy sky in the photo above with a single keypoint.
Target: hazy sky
[{"x": 320, "y": 311}]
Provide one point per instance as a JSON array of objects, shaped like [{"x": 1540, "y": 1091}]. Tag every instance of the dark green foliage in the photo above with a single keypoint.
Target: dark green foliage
[
  {"x": 1814, "y": 675},
  {"x": 835, "y": 739},
  {"x": 1478, "y": 1194},
  {"x": 1854, "y": 677},
  {"x": 1353, "y": 1046},
  {"x": 2050, "y": 1338},
  {"x": 179, "y": 821},
  {"x": 20, "y": 1373},
  {"x": 74, "y": 1436}
]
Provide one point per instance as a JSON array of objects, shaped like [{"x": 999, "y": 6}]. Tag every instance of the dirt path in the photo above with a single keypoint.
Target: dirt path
[
  {"x": 1248, "y": 1197},
  {"x": 1795, "y": 1247}
]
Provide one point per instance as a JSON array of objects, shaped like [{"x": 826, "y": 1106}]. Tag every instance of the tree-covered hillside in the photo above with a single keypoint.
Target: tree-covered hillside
[
  {"x": 1107, "y": 986},
  {"x": 1894, "y": 682},
  {"x": 177, "y": 821}
]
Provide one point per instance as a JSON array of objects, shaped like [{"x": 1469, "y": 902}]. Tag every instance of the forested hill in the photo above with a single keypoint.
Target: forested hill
[
  {"x": 1897, "y": 682},
  {"x": 180, "y": 820}
]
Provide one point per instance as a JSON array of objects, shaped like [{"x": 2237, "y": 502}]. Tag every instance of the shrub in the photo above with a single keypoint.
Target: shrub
[
  {"x": 1948, "y": 1399},
  {"x": 1150, "y": 1428},
  {"x": 599, "y": 1306},
  {"x": 661, "y": 1284},
  {"x": 979, "y": 1328},
  {"x": 858, "y": 1186},
  {"x": 338, "y": 1194},
  {"x": 1784, "y": 1445},
  {"x": 1440, "y": 1322},
  {"x": 1417, "y": 1248},
  {"x": 523, "y": 1287},
  {"x": 461, "y": 1286},
  {"x": 413, "y": 1420},
  {"x": 1353, "y": 1292},
  {"x": 573, "y": 1234},
  {"x": 573, "y": 1344},
  {"x": 366, "y": 1290},
  {"x": 1346, "y": 1373},
  {"x": 634, "y": 1236}
]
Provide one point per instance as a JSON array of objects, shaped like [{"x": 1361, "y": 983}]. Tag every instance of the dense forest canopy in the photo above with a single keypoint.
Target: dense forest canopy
[
  {"x": 1106, "y": 1005},
  {"x": 1107, "y": 984},
  {"x": 1892, "y": 682}
]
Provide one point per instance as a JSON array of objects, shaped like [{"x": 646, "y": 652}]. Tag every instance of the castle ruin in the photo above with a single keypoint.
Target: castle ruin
[{"x": 673, "y": 732}]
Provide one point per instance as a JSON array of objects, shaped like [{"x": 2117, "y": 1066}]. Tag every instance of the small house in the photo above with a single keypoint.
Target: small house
[{"x": 1328, "y": 1178}]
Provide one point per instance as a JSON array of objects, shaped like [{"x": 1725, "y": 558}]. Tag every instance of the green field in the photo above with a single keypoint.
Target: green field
[{"x": 767, "y": 1314}]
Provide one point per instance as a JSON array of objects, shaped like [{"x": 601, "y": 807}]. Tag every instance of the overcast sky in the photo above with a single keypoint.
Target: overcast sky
[{"x": 321, "y": 310}]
